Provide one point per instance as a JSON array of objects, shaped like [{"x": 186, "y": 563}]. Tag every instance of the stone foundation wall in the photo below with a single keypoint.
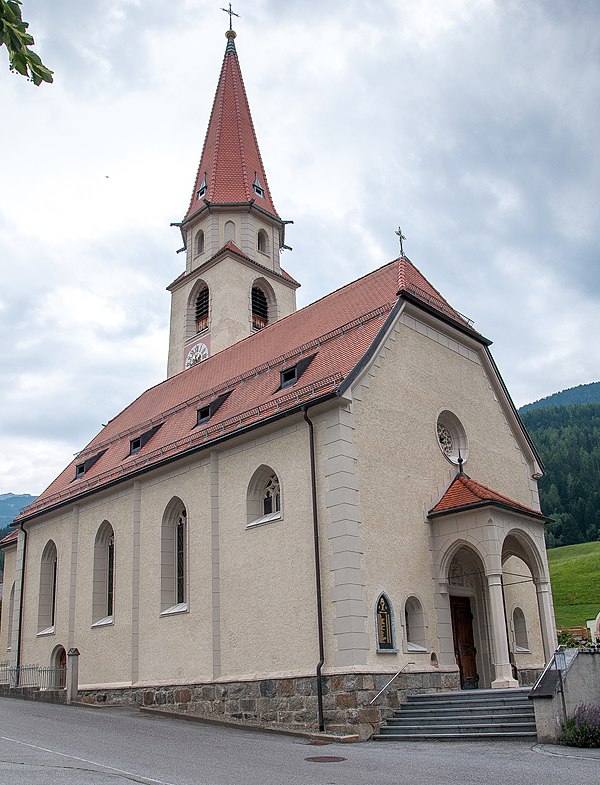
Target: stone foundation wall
[
  {"x": 288, "y": 702},
  {"x": 33, "y": 694},
  {"x": 529, "y": 676}
]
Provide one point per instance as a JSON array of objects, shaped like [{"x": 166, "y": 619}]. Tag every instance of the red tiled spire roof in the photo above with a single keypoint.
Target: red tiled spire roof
[
  {"x": 231, "y": 160},
  {"x": 465, "y": 493},
  {"x": 412, "y": 281}
]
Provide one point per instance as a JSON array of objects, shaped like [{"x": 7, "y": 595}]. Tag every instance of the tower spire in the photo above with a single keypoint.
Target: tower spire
[{"x": 231, "y": 170}]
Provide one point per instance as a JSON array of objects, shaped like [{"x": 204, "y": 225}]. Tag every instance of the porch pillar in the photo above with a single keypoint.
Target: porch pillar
[
  {"x": 502, "y": 666},
  {"x": 546, "y": 613}
]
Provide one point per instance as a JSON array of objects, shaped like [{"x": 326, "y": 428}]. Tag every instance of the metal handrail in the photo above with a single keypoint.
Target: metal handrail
[
  {"x": 390, "y": 681},
  {"x": 547, "y": 667}
]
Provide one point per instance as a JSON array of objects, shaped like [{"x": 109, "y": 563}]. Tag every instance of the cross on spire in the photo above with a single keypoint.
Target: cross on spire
[
  {"x": 231, "y": 13},
  {"x": 401, "y": 237}
]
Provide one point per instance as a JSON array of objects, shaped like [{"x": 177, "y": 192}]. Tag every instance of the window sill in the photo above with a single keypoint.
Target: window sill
[
  {"x": 387, "y": 651},
  {"x": 522, "y": 650},
  {"x": 412, "y": 647},
  {"x": 47, "y": 631},
  {"x": 181, "y": 607},
  {"x": 105, "y": 622},
  {"x": 272, "y": 516}
]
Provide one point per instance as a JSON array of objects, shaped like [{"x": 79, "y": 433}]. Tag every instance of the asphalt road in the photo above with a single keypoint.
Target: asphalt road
[{"x": 41, "y": 744}]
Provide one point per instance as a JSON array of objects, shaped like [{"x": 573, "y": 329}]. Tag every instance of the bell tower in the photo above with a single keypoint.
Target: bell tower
[{"x": 233, "y": 284}]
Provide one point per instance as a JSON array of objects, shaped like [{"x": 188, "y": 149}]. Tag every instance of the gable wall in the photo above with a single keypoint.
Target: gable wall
[{"x": 403, "y": 471}]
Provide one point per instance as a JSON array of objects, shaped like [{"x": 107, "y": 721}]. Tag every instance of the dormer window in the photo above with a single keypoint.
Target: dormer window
[
  {"x": 83, "y": 468},
  {"x": 202, "y": 190},
  {"x": 290, "y": 376},
  {"x": 205, "y": 413},
  {"x": 136, "y": 444},
  {"x": 257, "y": 188}
]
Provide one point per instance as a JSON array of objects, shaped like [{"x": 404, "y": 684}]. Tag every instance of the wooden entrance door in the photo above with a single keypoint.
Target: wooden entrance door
[{"x": 464, "y": 642}]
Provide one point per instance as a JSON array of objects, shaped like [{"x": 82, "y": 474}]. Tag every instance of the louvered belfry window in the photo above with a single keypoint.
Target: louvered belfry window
[
  {"x": 260, "y": 309},
  {"x": 202, "y": 310}
]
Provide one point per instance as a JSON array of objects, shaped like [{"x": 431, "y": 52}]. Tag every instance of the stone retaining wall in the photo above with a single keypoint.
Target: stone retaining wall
[
  {"x": 33, "y": 694},
  {"x": 288, "y": 702}
]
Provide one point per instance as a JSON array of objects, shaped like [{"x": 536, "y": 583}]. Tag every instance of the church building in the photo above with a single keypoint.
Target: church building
[{"x": 312, "y": 501}]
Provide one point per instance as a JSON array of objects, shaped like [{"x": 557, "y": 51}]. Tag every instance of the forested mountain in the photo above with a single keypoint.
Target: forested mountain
[
  {"x": 568, "y": 440},
  {"x": 10, "y": 505},
  {"x": 584, "y": 393}
]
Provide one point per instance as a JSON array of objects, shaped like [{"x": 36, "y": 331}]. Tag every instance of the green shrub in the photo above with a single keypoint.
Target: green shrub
[{"x": 583, "y": 728}]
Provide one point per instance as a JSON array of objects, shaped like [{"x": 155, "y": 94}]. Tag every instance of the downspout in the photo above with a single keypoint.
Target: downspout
[
  {"x": 21, "y": 601},
  {"x": 313, "y": 483}
]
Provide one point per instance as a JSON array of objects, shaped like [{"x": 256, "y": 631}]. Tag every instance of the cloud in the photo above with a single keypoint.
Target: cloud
[{"x": 472, "y": 124}]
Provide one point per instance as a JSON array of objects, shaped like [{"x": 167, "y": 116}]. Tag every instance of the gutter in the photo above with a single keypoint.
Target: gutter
[
  {"x": 313, "y": 484},
  {"x": 21, "y": 603}
]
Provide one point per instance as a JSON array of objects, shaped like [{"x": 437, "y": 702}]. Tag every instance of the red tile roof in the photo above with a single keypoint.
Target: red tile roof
[
  {"x": 232, "y": 248},
  {"x": 339, "y": 329},
  {"x": 465, "y": 493},
  {"x": 230, "y": 158},
  {"x": 10, "y": 539},
  {"x": 412, "y": 281}
]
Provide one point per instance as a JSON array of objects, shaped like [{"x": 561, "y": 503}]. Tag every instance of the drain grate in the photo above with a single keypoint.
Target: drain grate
[{"x": 325, "y": 759}]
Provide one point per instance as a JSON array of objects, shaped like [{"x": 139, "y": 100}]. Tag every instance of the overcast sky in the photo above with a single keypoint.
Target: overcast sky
[{"x": 474, "y": 125}]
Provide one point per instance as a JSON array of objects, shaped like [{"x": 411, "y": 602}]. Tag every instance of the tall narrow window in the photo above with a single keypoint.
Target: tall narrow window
[
  {"x": 202, "y": 309},
  {"x": 180, "y": 556},
  {"x": 199, "y": 242},
  {"x": 47, "y": 595},
  {"x": 174, "y": 561},
  {"x": 11, "y": 610},
  {"x": 103, "y": 591},
  {"x": 260, "y": 309},
  {"x": 385, "y": 633},
  {"x": 263, "y": 241}
]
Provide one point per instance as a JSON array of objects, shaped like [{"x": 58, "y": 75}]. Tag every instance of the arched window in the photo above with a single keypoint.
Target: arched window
[
  {"x": 520, "y": 631},
  {"x": 201, "y": 309},
  {"x": 263, "y": 498},
  {"x": 47, "y": 595},
  {"x": 199, "y": 242},
  {"x": 414, "y": 625},
  {"x": 11, "y": 610},
  {"x": 229, "y": 231},
  {"x": 385, "y": 627},
  {"x": 260, "y": 309},
  {"x": 174, "y": 562},
  {"x": 103, "y": 591},
  {"x": 263, "y": 241}
]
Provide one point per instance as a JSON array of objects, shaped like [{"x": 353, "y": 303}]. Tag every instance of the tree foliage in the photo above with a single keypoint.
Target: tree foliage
[
  {"x": 14, "y": 35},
  {"x": 568, "y": 440},
  {"x": 583, "y": 393}
]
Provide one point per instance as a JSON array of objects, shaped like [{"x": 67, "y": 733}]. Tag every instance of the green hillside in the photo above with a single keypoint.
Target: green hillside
[
  {"x": 568, "y": 440},
  {"x": 575, "y": 577},
  {"x": 584, "y": 393}
]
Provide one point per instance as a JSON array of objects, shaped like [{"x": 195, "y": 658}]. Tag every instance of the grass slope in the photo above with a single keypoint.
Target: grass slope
[{"x": 575, "y": 577}]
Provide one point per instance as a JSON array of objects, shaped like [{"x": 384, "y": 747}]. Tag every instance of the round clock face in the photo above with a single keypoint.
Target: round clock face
[{"x": 196, "y": 354}]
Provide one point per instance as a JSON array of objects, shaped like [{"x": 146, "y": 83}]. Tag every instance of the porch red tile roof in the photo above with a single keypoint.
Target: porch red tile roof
[
  {"x": 10, "y": 539},
  {"x": 465, "y": 493}
]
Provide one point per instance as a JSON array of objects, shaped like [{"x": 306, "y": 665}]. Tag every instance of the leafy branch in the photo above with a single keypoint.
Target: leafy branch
[{"x": 14, "y": 35}]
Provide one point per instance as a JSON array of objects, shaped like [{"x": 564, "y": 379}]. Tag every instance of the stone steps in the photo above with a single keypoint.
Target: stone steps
[{"x": 465, "y": 715}]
